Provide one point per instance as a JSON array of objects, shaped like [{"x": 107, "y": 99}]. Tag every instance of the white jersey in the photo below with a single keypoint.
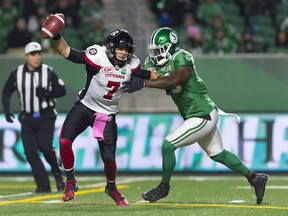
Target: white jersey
[{"x": 104, "y": 87}]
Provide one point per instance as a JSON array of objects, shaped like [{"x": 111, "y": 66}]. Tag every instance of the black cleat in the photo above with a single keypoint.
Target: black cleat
[
  {"x": 60, "y": 184},
  {"x": 259, "y": 184},
  {"x": 42, "y": 190},
  {"x": 157, "y": 193}
]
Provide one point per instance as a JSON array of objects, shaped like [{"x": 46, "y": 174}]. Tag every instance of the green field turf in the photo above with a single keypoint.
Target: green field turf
[{"x": 189, "y": 195}]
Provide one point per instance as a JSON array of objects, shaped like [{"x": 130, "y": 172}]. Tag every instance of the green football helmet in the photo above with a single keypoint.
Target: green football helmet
[{"x": 163, "y": 43}]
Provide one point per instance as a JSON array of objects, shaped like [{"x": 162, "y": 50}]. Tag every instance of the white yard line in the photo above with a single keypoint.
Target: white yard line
[{"x": 16, "y": 195}]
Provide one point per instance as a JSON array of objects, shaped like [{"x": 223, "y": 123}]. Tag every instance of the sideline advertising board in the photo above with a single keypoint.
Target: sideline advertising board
[{"x": 260, "y": 140}]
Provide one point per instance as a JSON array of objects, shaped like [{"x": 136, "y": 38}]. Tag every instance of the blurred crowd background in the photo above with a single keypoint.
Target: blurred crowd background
[
  {"x": 205, "y": 26},
  {"x": 21, "y": 22}
]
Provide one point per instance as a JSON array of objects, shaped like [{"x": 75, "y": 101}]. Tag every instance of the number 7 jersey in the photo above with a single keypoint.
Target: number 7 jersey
[{"x": 103, "y": 88}]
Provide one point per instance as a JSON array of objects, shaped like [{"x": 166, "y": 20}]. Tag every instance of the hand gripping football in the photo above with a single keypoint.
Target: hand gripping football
[{"x": 52, "y": 26}]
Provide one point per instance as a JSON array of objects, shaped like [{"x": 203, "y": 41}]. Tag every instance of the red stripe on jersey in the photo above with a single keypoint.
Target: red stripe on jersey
[
  {"x": 135, "y": 69},
  {"x": 91, "y": 63}
]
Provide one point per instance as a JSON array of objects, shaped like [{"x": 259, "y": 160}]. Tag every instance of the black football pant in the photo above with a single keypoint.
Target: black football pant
[
  {"x": 37, "y": 136},
  {"x": 79, "y": 118}
]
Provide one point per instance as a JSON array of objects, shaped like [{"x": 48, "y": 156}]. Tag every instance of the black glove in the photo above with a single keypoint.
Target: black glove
[
  {"x": 41, "y": 92},
  {"x": 168, "y": 91},
  {"x": 133, "y": 85},
  {"x": 9, "y": 117}
]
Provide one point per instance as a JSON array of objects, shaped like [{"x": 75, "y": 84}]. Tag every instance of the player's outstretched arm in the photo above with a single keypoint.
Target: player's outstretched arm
[
  {"x": 180, "y": 75},
  {"x": 51, "y": 28},
  {"x": 61, "y": 46}
]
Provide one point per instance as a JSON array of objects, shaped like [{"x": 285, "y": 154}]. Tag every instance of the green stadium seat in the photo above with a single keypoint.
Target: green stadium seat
[
  {"x": 269, "y": 41},
  {"x": 279, "y": 18},
  {"x": 281, "y": 8},
  {"x": 268, "y": 31},
  {"x": 230, "y": 8},
  {"x": 260, "y": 20},
  {"x": 235, "y": 19}
]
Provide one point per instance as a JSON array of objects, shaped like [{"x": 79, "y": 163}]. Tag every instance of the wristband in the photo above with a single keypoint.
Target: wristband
[{"x": 57, "y": 37}]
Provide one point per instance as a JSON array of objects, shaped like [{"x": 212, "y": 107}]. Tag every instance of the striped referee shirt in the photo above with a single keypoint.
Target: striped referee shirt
[{"x": 26, "y": 82}]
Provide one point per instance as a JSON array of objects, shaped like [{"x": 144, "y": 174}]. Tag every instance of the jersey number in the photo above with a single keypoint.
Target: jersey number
[{"x": 114, "y": 86}]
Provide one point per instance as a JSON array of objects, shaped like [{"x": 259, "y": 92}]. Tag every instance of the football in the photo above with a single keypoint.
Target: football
[{"x": 52, "y": 26}]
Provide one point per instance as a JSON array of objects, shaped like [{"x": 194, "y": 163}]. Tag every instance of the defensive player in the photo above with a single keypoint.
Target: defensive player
[
  {"x": 106, "y": 68},
  {"x": 188, "y": 91}
]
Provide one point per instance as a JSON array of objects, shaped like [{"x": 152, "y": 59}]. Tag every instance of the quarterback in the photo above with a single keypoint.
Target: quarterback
[{"x": 107, "y": 67}]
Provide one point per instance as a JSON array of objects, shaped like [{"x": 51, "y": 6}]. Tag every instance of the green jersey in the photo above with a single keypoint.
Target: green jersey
[{"x": 191, "y": 96}]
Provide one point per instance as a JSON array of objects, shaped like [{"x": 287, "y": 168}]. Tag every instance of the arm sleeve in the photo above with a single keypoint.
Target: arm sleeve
[
  {"x": 142, "y": 73},
  {"x": 76, "y": 56},
  {"x": 58, "y": 86},
  {"x": 7, "y": 91}
]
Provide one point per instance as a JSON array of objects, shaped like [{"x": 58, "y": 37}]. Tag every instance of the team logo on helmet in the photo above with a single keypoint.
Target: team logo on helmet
[
  {"x": 114, "y": 33},
  {"x": 188, "y": 57},
  {"x": 92, "y": 51},
  {"x": 173, "y": 37}
]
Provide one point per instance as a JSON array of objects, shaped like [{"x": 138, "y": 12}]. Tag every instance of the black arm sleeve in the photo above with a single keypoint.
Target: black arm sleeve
[
  {"x": 76, "y": 56},
  {"x": 58, "y": 87},
  {"x": 7, "y": 91},
  {"x": 142, "y": 73}
]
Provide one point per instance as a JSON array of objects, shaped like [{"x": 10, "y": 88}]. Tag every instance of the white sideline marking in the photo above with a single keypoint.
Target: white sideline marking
[
  {"x": 53, "y": 201},
  {"x": 143, "y": 201},
  {"x": 277, "y": 187},
  {"x": 237, "y": 201},
  {"x": 16, "y": 195},
  {"x": 267, "y": 187}
]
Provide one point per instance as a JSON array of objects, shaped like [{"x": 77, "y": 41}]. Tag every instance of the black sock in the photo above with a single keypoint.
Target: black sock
[
  {"x": 252, "y": 177},
  {"x": 70, "y": 174},
  {"x": 165, "y": 183},
  {"x": 111, "y": 185}
]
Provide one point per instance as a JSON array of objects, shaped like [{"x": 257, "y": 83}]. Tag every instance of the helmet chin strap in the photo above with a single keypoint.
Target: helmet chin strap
[
  {"x": 115, "y": 61},
  {"x": 122, "y": 59}
]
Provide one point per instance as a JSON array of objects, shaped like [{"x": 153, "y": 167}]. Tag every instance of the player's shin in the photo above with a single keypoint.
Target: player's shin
[
  {"x": 66, "y": 153},
  {"x": 231, "y": 161},
  {"x": 169, "y": 161}
]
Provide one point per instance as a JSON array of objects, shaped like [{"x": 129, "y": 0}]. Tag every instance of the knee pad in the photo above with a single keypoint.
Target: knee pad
[
  {"x": 167, "y": 146},
  {"x": 65, "y": 144}
]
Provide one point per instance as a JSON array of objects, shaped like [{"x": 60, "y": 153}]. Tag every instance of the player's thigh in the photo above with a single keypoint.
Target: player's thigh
[
  {"x": 108, "y": 145},
  {"x": 110, "y": 131},
  {"x": 77, "y": 120},
  {"x": 110, "y": 134},
  {"x": 212, "y": 143},
  {"x": 193, "y": 129},
  {"x": 189, "y": 132}
]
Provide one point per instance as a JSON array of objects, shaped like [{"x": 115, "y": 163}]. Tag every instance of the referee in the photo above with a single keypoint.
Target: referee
[{"x": 37, "y": 86}]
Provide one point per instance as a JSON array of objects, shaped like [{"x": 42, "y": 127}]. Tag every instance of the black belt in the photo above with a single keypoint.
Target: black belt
[{"x": 43, "y": 111}]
